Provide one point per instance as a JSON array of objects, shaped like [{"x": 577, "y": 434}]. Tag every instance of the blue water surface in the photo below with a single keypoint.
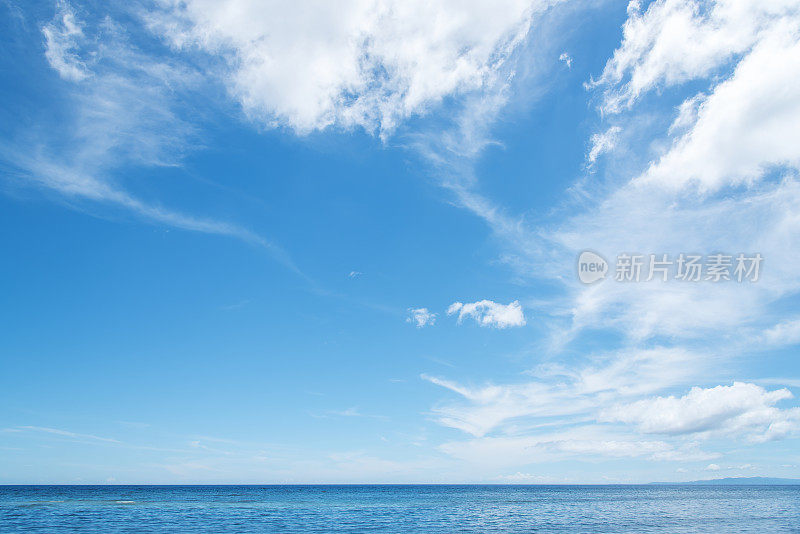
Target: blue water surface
[{"x": 407, "y": 508}]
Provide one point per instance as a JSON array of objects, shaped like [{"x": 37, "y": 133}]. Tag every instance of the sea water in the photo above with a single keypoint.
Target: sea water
[{"x": 404, "y": 508}]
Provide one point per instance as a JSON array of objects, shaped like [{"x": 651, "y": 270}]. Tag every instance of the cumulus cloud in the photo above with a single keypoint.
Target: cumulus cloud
[
  {"x": 421, "y": 317},
  {"x": 747, "y": 125},
  {"x": 308, "y": 65},
  {"x": 744, "y": 126},
  {"x": 675, "y": 41},
  {"x": 741, "y": 409},
  {"x": 489, "y": 313}
]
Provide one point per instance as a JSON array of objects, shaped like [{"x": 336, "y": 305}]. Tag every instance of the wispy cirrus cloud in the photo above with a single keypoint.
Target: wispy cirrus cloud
[
  {"x": 125, "y": 112},
  {"x": 568, "y": 394},
  {"x": 586, "y": 442},
  {"x": 67, "y": 434},
  {"x": 63, "y": 35}
]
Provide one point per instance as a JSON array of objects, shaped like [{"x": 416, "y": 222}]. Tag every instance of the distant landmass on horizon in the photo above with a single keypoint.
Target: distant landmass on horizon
[{"x": 738, "y": 481}]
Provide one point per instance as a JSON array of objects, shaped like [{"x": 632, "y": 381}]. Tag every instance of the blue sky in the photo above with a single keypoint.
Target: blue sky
[{"x": 255, "y": 243}]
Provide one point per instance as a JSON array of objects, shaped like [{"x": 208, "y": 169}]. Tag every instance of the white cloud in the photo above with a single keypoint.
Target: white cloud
[
  {"x": 566, "y": 59},
  {"x": 603, "y": 142},
  {"x": 716, "y": 145},
  {"x": 373, "y": 64},
  {"x": 68, "y": 434},
  {"x": 125, "y": 112},
  {"x": 643, "y": 217},
  {"x": 490, "y": 313},
  {"x": 675, "y": 41},
  {"x": 736, "y": 133},
  {"x": 741, "y": 467},
  {"x": 712, "y": 467},
  {"x": 646, "y": 219},
  {"x": 687, "y": 113},
  {"x": 421, "y": 317},
  {"x": 62, "y": 36},
  {"x": 564, "y": 392},
  {"x": 527, "y": 415},
  {"x": 743, "y": 409},
  {"x": 521, "y": 478},
  {"x": 587, "y": 442},
  {"x": 492, "y": 405},
  {"x": 783, "y": 333},
  {"x": 308, "y": 64},
  {"x": 747, "y": 126},
  {"x": 305, "y": 65},
  {"x": 744, "y": 127}
]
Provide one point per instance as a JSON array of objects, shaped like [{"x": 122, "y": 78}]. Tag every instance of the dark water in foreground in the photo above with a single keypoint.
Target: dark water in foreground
[{"x": 434, "y": 509}]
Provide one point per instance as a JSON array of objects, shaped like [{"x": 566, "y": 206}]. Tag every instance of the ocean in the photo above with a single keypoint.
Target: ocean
[{"x": 405, "y": 508}]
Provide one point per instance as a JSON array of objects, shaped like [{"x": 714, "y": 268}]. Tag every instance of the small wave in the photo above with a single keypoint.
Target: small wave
[
  {"x": 125, "y": 502},
  {"x": 38, "y": 503}
]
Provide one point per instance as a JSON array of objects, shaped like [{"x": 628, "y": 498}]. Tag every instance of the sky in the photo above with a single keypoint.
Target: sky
[{"x": 313, "y": 242}]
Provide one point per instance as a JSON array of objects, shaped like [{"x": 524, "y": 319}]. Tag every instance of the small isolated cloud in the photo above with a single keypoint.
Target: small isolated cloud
[
  {"x": 566, "y": 59},
  {"x": 354, "y": 411},
  {"x": 712, "y": 467},
  {"x": 354, "y": 274},
  {"x": 421, "y": 317},
  {"x": 602, "y": 143},
  {"x": 489, "y": 313}
]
